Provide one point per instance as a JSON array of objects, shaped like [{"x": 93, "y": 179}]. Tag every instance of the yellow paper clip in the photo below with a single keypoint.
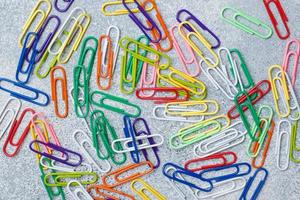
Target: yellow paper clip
[
  {"x": 141, "y": 192},
  {"x": 197, "y": 34},
  {"x": 32, "y": 17},
  {"x": 192, "y": 108},
  {"x": 280, "y": 77},
  {"x": 104, "y": 8}
]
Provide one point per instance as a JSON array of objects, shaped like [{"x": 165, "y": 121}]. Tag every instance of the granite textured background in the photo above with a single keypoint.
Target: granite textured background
[{"x": 19, "y": 176}]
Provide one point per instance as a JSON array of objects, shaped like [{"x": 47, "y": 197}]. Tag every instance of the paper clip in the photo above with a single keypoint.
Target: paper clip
[
  {"x": 258, "y": 91},
  {"x": 188, "y": 38},
  {"x": 226, "y": 139},
  {"x": 5, "y": 112},
  {"x": 79, "y": 192},
  {"x": 59, "y": 178},
  {"x": 63, "y": 9},
  {"x": 145, "y": 28},
  {"x": 234, "y": 20},
  {"x": 198, "y": 131},
  {"x": 32, "y": 98},
  {"x": 141, "y": 192},
  {"x": 28, "y": 71},
  {"x": 223, "y": 188},
  {"x": 280, "y": 134},
  {"x": 281, "y": 78},
  {"x": 178, "y": 174},
  {"x": 83, "y": 145},
  {"x": 258, "y": 187},
  {"x": 116, "y": 174},
  {"x": 266, "y": 148},
  {"x": 293, "y": 143},
  {"x": 12, "y": 132},
  {"x": 79, "y": 88},
  {"x": 192, "y": 108},
  {"x": 32, "y": 17},
  {"x": 283, "y": 17},
  {"x": 211, "y": 175},
  {"x": 63, "y": 82},
  {"x": 165, "y": 35},
  {"x": 65, "y": 152},
  {"x": 192, "y": 17},
  {"x": 163, "y": 94},
  {"x": 132, "y": 109},
  {"x": 228, "y": 68},
  {"x": 115, "y": 42},
  {"x": 105, "y": 11},
  {"x": 102, "y": 131},
  {"x": 221, "y": 158},
  {"x": 288, "y": 54},
  {"x": 108, "y": 193},
  {"x": 185, "y": 62}
]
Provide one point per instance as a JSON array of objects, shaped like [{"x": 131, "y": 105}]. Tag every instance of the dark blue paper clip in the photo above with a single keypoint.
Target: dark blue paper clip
[
  {"x": 45, "y": 44},
  {"x": 181, "y": 171},
  {"x": 196, "y": 20},
  {"x": 151, "y": 140},
  {"x": 36, "y": 96},
  {"x": 69, "y": 3},
  {"x": 141, "y": 26},
  {"x": 236, "y": 173},
  {"x": 259, "y": 186},
  {"x": 24, "y": 54},
  {"x": 129, "y": 133}
]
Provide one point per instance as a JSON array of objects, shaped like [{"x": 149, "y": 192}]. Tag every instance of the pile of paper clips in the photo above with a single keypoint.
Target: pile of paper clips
[{"x": 147, "y": 72}]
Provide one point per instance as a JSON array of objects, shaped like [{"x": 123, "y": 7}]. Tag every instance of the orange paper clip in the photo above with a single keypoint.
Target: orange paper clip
[
  {"x": 115, "y": 175},
  {"x": 104, "y": 193},
  {"x": 63, "y": 83}
]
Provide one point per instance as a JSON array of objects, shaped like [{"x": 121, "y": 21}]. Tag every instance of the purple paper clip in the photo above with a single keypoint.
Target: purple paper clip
[
  {"x": 129, "y": 133},
  {"x": 197, "y": 21},
  {"x": 43, "y": 48},
  {"x": 64, "y": 151},
  {"x": 24, "y": 54},
  {"x": 142, "y": 27},
  {"x": 70, "y": 2}
]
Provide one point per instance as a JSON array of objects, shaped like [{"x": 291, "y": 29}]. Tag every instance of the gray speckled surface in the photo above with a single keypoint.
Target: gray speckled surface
[{"x": 19, "y": 176}]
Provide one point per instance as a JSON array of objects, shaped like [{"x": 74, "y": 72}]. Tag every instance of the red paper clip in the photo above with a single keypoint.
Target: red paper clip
[
  {"x": 13, "y": 131},
  {"x": 104, "y": 193},
  {"x": 282, "y": 14},
  {"x": 256, "y": 92},
  {"x": 221, "y": 159},
  {"x": 176, "y": 94},
  {"x": 121, "y": 171}
]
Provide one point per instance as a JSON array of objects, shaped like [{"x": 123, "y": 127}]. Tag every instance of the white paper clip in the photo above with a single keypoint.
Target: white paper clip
[
  {"x": 159, "y": 113},
  {"x": 126, "y": 141},
  {"x": 80, "y": 192},
  {"x": 82, "y": 144},
  {"x": 223, "y": 188},
  {"x": 117, "y": 46},
  {"x": 5, "y": 112},
  {"x": 280, "y": 135},
  {"x": 226, "y": 139}
]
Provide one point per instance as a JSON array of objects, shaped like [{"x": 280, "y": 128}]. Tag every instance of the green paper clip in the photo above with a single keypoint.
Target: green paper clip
[
  {"x": 78, "y": 101},
  {"x": 293, "y": 143},
  {"x": 235, "y": 22},
  {"x": 102, "y": 131},
  {"x": 59, "y": 176},
  {"x": 136, "y": 111}
]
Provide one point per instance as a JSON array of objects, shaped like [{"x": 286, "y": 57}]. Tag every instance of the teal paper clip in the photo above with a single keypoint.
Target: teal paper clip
[
  {"x": 129, "y": 109},
  {"x": 235, "y": 22}
]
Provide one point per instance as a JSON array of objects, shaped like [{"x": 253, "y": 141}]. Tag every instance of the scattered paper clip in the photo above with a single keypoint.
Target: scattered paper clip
[
  {"x": 293, "y": 143},
  {"x": 275, "y": 22},
  {"x": 107, "y": 193},
  {"x": 79, "y": 192},
  {"x": 280, "y": 134},
  {"x": 63, "y": 9},
  {"x": 141, "y": 192}
]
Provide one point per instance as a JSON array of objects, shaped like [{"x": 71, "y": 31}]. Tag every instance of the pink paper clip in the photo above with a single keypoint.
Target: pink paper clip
[
  {"x": 283, "y": 16},
  {"x": 287, "y": 56},
  {"x": 184, "y": 61}
]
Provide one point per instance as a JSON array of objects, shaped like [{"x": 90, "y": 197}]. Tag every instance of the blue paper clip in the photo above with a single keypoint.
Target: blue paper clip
[
  {"x": 197, "y": 21},
  {"x": 33, "y": 99},
  {"x": 64, "y": 9},
  {"x": 181, "y": 171},
  {"x": 24, "y": 54},
  {"x": 237, "y": 173},
  {"x": 129, "y": 132},
  {"x": 259, "y": 186}
]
